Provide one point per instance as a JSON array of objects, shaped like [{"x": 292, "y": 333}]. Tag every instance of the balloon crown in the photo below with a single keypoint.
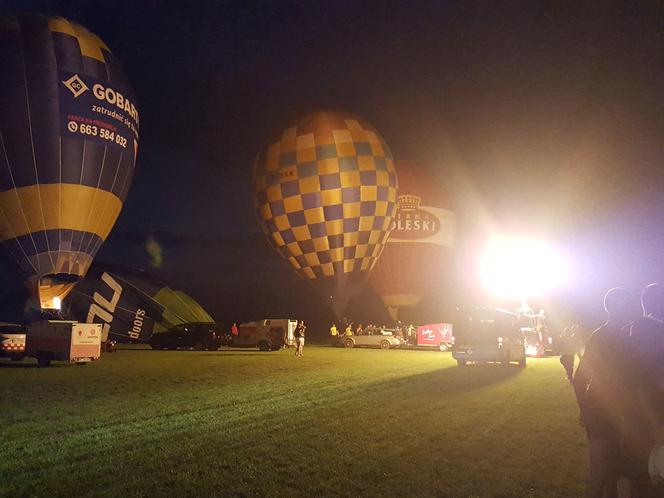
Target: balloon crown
[{"x": 409, "y": 202}]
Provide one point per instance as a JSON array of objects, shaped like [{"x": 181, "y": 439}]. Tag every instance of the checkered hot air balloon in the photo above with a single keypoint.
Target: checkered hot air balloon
[
  {"x": 68, "y": 144},
  {"x": 324, "y": 193}
]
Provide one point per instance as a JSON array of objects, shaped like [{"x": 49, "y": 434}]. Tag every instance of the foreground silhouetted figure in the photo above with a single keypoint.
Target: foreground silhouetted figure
[
  {"x": 600, "y": 391},
  {"x": 644, "y": 415}
]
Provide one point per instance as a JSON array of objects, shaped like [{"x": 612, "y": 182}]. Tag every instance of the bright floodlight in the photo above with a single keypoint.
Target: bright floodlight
[
  {"x": 518, "y": 267},
  {"x": 57, "y": 303}
]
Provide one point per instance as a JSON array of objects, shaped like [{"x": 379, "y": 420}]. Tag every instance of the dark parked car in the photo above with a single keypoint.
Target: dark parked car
[{"x": 199, "y": 336}]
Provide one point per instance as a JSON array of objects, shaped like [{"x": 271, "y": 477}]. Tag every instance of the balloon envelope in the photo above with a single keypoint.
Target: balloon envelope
[
  {"x": 131, "y": 304},
  {"x": 420, "y": 243},
  {"x": 68, "y": 144},
  {"x": 324, "y": 192}
]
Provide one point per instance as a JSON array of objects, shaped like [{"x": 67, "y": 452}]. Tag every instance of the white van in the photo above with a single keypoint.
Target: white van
[{"x": 267, "y": 335}]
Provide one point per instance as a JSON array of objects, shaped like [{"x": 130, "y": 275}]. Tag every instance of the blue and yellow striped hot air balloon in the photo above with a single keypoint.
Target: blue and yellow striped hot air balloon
[
  {"x": 68, "y": 144},
  {"x": 325, "y": 192}
]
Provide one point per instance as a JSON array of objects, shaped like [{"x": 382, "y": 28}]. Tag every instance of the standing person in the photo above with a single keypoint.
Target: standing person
[
  {"x": 645, "y": 417},
  {"x": 234, "y": 330},
  {"x": 349, "y": 329},
  {"x": 299, "y": 338},
  {"x": 568, "y": 350},
  {"x": 334, "y": 334},
  {"x": 597, "y": 385}
]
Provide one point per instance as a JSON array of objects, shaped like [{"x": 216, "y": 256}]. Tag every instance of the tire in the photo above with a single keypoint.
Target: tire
[
  {"x": 274, "y": 348},
  {"x": 17, "y": 357},
  {"x": 43, "y": 359},
  {"x": 461, "y": 363},
  {"x": 156, "y": 346},
  {"x": 384, "y": 344},
  {"x": 199, "y": 346},
  {"x": 212, "y": 347},
  {"x": 506, "y": 361},
  {"x": 264, "y": 346},
  {"x": 349, "y": 343}
]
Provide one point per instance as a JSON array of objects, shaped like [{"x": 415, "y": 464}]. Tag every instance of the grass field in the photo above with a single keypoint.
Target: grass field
[{"x": 334, "y": 422}]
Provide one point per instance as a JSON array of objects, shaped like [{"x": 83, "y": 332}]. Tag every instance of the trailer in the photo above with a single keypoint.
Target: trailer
[
  {"x": 63, "y": 340},
  {"x": 12, "y": 341},
  {"x": 266, "y": 335}
]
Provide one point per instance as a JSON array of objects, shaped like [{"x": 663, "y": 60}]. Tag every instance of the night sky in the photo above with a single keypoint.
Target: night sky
[{"x": 538, "y": 118}]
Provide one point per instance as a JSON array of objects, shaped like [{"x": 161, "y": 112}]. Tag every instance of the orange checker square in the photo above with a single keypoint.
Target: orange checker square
[
  {"x": 301, "y": 233},
  {"x": 288, "y": 142},
  {"x": 337, "y": 254},
  {"x": 294, "y": 262},
  {"x": 312, "y": 259},
  {"x": 350, "y": 178},
  {"x": 293, "y": 204},
  {"x": 324, "y": 135},
  {"x": 346, "y": 149},
  {"x": 366, "y": 223},
  {"x": 328, "y": 269},
  {"x": 259, "y": 183},
  {"x": 273, "y": 151},
  {"x": 331, "y": 197},
  {"x": 273, "y": 193},
  {"x": 359, "y": 135},
  {"x": 390, "y": 165},
  {"x": 306, "y": 154},
  {"x": 353, "y": 124},
  {"x": 349, "y": 265},
  {"x": 294, "y": 249},
  {"x": 278, "y": 239},
  {"x": 350, "y": 239},
  {"x": 314, "y": 215},
  {"x": 309, "y": 184},
  {"x": 328, "y": 166},
  {"x": 372, "y": 137},
  {"x": 377, "y": 148},
  {"x": 321, "y": 244},
  {"x": 272, "y": 163},
  {"x": 305, "y": 141},
  {"x": 366, "y": 163},
  {"x": 266, "y": 212},
  {"x": 334, "y": 227},
  {"x": 351, "y": 210},
  {"x": 369, "y": 192},
  {"x": 342, "y": 137},
  {"x": 308, "y": 272},
  {"x": 282, "y": 222}
]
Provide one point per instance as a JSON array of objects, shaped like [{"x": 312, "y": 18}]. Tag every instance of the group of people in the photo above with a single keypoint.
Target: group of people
[
  {"x": 619, "y": 385},
  {"x": 347, "y": 329}
]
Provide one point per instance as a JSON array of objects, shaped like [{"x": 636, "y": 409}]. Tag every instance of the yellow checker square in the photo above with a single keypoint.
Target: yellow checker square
[
  {"x": 349, "y": 265},
  {"x": 331, "y": 197},
  {"x": 390, "y": 165},
  {"x": 308, "y": 272},
  {"x": 345, "y": 149},
  {"x": 278, "y": 239},
  {"x": 361, "y": 250},
  {"x": 306, "y": 141},
  {"x": 350, "y": 178},
  {"x": 382, "y": 178},
  {"x": 337, "y": 254},
  {"x": 301, "y": 233},
  {"x": 352, "y": 210},
  {"x": 328, "y": 269},
  {"x": 381, "y": 208},
  {"x": 386, "y": 223},
  {"x": 372, "y": 138},
  {"x": 328, "y": 166},
  {"x": 334, "y": 227},
  {"x": 366, "y": 163},
  {"x": 374, "y": 236},
  {"x": 294, "y": 263},
  {"x": 366, "y": 223},
  {"x": 309, "y": 184},
  {"x": 314, "y": 215},
  {"x": 377, "y": 149},
  {"x": 273, "y": 193},
  {"x": 282, "y": 222},
  {"x": 353, "y": 124},
  {"x": 342, "y": 137},
  {"x": 293, "y": 204},
  {"x": 350, "y": 239},
  {"x": 312, "y": 259},
  {"x": 369, "y": 192},
  {"x": 321, "y": 244},
  {"x": 306, "y": 154},
  {"x": 392, "y": 194},
  {"x": 366, "y": 263},
  {"x": 288, "y": 140},
  {"x": 294, "y": 249},
  {"x": 266, "y": 212}
]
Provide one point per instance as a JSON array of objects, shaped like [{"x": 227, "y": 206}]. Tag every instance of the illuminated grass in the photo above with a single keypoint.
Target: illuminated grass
[{"x": 335, "y": 422}]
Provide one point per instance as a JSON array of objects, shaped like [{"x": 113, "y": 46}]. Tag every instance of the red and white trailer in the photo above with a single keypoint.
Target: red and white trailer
[
  {"x": 436, "y": 335},
  {"x": 62, "y": 340}
]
